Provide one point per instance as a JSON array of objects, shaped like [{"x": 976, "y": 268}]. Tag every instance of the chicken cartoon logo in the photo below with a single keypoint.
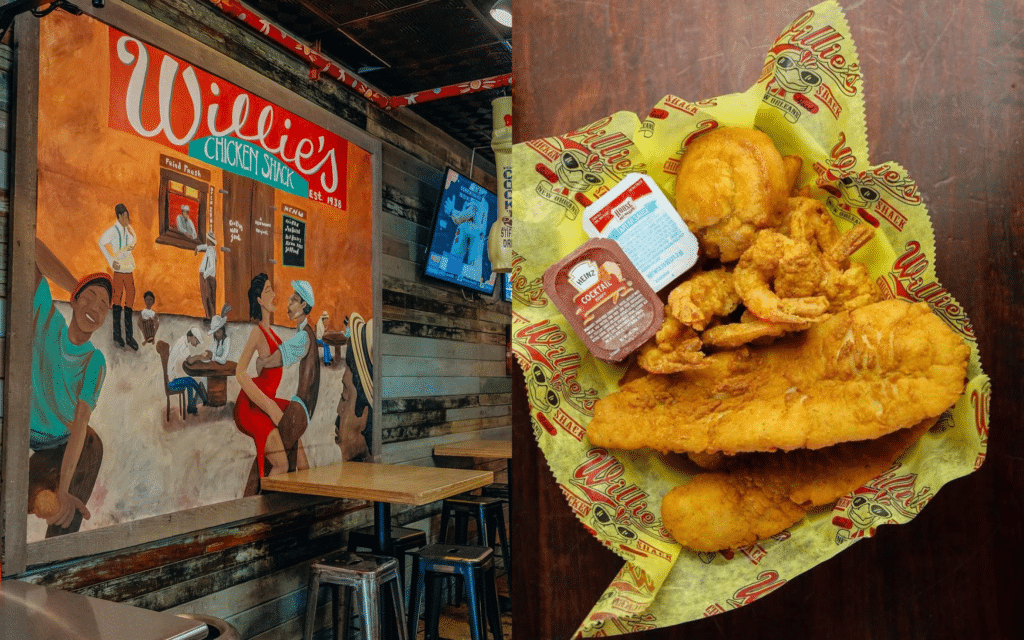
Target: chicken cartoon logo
[
  {"x": 869, "y": 196},
  {"x": 573, "y": 178},
  {"x": 879, "y": 502},
  {"x": 794, "y": 80},
  {"x": 850, "y": 194}
]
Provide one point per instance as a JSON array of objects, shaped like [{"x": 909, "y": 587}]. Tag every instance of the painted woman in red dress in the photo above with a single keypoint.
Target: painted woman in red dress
[{"x": 258, "y": 409}]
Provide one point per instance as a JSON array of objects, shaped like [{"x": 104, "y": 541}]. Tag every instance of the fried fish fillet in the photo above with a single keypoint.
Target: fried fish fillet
[
  {"x": 860, "y": 374},
  {"x": 762, "y": 494}
]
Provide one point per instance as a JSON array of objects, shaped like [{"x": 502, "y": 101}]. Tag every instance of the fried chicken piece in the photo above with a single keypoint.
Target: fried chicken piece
[
  {"x": 674, "y": 348},
  {"x": 732, "y": 182},
  {"x": 859, "y": 375},
  {"x": 702, "y": 297},
  {"x": 792, "y": 166},
  {"x": 762, "y": 494}
]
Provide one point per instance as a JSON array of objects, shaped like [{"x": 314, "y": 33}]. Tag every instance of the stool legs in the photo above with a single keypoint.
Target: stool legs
[
  {"x": 415, "y": 592},
  {"x": 311, "y": 598},
  {"x": 491, "y": 603},
  {"x": 497, "y": 521},
  {"x": 396, "y": 600},
  {"x": 372, "y": 577}
]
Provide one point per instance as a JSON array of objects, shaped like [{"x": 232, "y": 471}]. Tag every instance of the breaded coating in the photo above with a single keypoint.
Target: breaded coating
[
  {"x": 703, "y": 297},
  {"x": 731, "y": 183},
  {"x": 761, "y": 494},
  {"x": 860, "y": 374},
  {"x": 674, "y": 348}
]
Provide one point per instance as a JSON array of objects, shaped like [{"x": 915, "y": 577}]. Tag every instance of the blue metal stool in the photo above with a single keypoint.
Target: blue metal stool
[
  {"x": 475, "y": 565},
  {"x": 489, "y": 514}
]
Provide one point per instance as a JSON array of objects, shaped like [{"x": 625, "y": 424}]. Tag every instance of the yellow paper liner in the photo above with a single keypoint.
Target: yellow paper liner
[{"x": 617, "y": 495}]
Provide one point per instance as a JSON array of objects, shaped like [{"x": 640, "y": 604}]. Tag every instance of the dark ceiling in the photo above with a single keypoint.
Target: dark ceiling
[{"x": 404, "y": 46}]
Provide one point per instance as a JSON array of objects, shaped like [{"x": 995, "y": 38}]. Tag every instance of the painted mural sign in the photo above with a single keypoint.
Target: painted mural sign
[{"x": 199, "y": 252}]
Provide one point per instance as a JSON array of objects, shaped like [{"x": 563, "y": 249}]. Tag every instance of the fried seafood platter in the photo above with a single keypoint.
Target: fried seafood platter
[{"x": 778, "y": 366}]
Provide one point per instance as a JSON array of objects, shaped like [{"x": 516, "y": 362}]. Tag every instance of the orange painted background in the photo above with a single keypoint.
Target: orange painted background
[{"x": 86, "y": 168}]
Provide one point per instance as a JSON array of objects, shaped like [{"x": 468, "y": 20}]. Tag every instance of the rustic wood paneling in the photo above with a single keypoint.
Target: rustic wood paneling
[{"x": 441, "y": 352}]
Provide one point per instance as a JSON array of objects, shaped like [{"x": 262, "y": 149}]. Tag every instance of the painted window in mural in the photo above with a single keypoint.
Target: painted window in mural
[{"x": 204, "y": 297}]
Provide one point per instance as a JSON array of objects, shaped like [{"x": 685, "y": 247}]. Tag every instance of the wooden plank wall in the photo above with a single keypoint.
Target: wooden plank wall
[{"x": 442, "y": 358}]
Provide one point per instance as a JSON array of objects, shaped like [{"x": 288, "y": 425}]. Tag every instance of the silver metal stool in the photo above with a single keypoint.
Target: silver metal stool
[{"x": 365, "y": 574}]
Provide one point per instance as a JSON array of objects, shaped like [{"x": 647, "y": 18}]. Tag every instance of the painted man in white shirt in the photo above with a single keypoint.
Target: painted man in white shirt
[
  {"x": 117, "y": 244},
  {"x": 184, "y": 223},
  {"x": 321, "y": 329},
  {"x": 208, "y": 274},
  {"x": 189, "y": 348}
]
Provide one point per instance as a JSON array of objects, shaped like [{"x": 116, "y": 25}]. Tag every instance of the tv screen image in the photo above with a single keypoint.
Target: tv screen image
[
  {"x": 458, "y": 245},
  {"x": 508, "y": 287}
]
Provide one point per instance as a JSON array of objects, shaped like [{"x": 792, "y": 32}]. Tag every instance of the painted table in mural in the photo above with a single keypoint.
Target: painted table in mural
[
  {"x": 384, "y": 484},
  {"x": 216, "y": 375},
  {"x": 33, "y": 612},
  {"x": 336, "y": 339}
]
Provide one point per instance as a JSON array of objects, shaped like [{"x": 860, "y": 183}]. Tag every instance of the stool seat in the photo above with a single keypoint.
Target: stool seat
[
  {"x": 489, "y": 514},
  {"x": 363, "y": 574},
  {"x": 403, "y": 540},
  {"x": 475, "y": 565},
  {"x": 496, "y": 490}
]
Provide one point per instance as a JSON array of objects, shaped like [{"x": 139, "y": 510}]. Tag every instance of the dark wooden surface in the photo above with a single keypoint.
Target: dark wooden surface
[{"x": 943, "y": 85}]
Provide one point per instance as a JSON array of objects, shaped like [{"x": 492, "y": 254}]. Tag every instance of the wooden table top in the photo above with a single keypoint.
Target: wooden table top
[
  {"x": 394, "y": 483},
  {"x": 943, "y": 86},
  {"x": 476, "y": 449},
  {"x": 210, "y": 368}
]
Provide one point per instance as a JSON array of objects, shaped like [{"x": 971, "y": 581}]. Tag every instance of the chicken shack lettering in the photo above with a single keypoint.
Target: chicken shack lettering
[
  {"x": 598, "y": 478},
  {"x": 221, "y": 124},
  {"x": 909, "y": 282}
]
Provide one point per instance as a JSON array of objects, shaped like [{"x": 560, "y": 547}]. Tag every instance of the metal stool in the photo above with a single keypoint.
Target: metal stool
[
  {"x": 496, "y": 490},
  {"x": 475, "y": 565},
  {"x": 363, "y": 573},
  {"x": 404, "y": 539},
  {"x": 489, "y": 515}
]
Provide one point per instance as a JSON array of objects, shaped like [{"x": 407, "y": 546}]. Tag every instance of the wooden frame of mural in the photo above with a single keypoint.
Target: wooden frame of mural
[{"x": 101, "y": 190}]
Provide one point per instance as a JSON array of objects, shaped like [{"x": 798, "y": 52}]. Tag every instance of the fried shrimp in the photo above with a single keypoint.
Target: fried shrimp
[
  {"x": 707, "y": 294},
  {"x": 779, "y": 280},
  {"x": 731, "y": 183},
  {"x": 749, "y": 329},
  {"x": 674, "y": 348}
]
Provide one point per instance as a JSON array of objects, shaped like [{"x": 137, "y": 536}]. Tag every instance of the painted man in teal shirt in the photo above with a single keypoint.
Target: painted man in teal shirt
[{"x": 67, "y": 377}]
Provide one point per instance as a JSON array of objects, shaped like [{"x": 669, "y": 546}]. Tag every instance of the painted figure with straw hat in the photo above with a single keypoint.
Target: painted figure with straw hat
[{"x": 353, "y": 428}]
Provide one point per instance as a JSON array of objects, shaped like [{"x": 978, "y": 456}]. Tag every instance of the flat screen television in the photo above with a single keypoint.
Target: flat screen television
[
  {"x": 463, "y": 216},
  {"x": 508, "y": 287}
]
